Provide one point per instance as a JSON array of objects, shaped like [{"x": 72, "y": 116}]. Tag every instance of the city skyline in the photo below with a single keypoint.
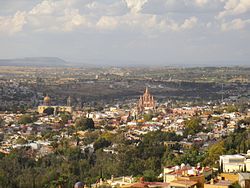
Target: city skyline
[{"x": 130, "y": 32}]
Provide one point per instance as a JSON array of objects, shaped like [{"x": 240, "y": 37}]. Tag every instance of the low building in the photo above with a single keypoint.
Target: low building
[
  {"x": 185, "y": 173},
  {"x": 147, "y": 184},
  {"x": 232, "y": 163},
  {"x": 183, "y": 184},
  {"x": 218, "y": 184},
  {"x": 233, "y": 177}
]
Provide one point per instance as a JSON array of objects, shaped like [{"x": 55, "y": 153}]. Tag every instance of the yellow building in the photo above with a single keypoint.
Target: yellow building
[
  {"x": 183, "y": 184},
  {"x": 199, "y": 179},
  {"x": 218, "y": 184},
  {"x": 56, "y": 109},
  {"x": 233, "y": 177},
  {"x": 184, "y": 174}
]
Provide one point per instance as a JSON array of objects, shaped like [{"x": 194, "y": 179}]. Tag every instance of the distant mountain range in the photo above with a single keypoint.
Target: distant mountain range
[
  {"x": 92, "y": 63},
  {"x": 35, "y": 61}
]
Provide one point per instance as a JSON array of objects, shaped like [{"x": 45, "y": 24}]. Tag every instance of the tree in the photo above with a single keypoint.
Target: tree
[
  {"x": 245, "y": 121},
  {"x": 85, "y": 124},
  {"x": 21, "y": 140},
  {"x": 101, "y": 143},
  {"x": 235, "y": 185},
  {"x": 65, "y": 117},
  {"x": 149, "y": 175},
  {"x": 1, "y": 121},
  {"x": 214, "y": 152},
  {"x": 49, "y": 111},
  {"x": 231, "y": 108},
  {"x": 25, "y": 119},
  {"x": 238, "y": 141},
  {"x": 192, "y": 126},
  {"x": 147, "y": 117}
]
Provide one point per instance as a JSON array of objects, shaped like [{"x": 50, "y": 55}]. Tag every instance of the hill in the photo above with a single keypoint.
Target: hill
[{"x": 35, "y": 61}]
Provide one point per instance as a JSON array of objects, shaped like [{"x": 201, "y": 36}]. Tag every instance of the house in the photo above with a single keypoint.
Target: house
[
  {"x": 218, "y": 184},
  {"x": 184, "y": 175},
  {"x": 183, "y": 184},
  {"x": 232, "y": 163}
]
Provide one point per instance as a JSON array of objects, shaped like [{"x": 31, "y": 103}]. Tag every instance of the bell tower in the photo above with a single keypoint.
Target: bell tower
[{"x": 69, "y": 101}]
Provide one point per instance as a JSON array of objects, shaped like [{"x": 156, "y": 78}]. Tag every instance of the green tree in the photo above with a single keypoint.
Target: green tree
[
  {"x": 192, "y": 126},
  {"x": 65, "y": 117},
  {"x": 214, "y": 152},
  {"x": 25, "y": 119},
  {"x": 231, "y": 108},
  {"x": 238, "y": 142},
  {"x": 150, "y": 175},
  {"x": 101, "y": 143},
  {"x": 147, "y": 117},
  {"x": 21, "y": 140},
  {"x": 85, "y": 124},
  {"x": 49, "y": 111},
  {"x": 235, "y": 185}
]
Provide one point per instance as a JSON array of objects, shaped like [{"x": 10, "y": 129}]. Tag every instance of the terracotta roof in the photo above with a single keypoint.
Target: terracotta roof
[
  {"x": 223, "y": 182},
  {"x": 183, "y": 182},
  {"x": 147, "y": 184}
]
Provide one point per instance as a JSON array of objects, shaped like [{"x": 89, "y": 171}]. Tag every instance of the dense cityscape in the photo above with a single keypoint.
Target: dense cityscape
[
  {"x": 125, "y": 127},
  {"x": 124, "y": 94}
]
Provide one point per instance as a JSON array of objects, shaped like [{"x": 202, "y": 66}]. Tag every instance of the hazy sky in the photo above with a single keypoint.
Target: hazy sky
[{"x": 127, "y": 31}]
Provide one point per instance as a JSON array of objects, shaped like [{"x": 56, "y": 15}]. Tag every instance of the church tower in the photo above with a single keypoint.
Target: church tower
[
  {"x": 69, "y": 101},
  {"x": 146, "y": 101}
]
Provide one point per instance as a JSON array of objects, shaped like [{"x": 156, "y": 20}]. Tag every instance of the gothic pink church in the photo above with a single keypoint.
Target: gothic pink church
[{"x": 146, "y": 101}]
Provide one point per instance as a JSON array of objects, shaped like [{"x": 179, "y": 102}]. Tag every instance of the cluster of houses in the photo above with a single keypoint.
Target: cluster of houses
[
  {"x": 186, "y": 176},
  {"x": 134, "y": 125}
]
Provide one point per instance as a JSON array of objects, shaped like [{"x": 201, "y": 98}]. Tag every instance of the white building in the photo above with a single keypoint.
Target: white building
[{"x": 233, "y": 163}]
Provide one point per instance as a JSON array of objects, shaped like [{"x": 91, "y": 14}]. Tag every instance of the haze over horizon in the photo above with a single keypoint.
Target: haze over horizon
[{"x": 128, "y": 32}]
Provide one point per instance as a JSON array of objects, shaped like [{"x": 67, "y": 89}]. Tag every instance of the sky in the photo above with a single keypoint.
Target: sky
[{"x": 128, "y": 32}]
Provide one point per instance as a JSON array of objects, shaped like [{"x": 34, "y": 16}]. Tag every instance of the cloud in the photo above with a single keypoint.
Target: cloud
[
  {"x": 13, "y": 24},
  {"x": 133, "y": 15},
  {"x": 65, "y": 16},
  {"x": 172, "y": 25},
  {"x": 201, "y": 2},
  {"x": 56, "y": 16},
  {"x": 189, "y": 23},
  {"x": 45, "y": 7},
  {"x": 235, "y": 7},
  {"x": 72, "y": 19},
  {"x": 98, "y": 8},
  {"x": 136, "y": 5},
  {"x": 107, "y": 22},
  {"x": 236, "y": 24},
  {"x": 126, "y": 29},
  {"x": 146, "y": 23}
]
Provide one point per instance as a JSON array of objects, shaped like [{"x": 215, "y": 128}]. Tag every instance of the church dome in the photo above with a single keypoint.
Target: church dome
[{"x": 46, "y": 100}]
